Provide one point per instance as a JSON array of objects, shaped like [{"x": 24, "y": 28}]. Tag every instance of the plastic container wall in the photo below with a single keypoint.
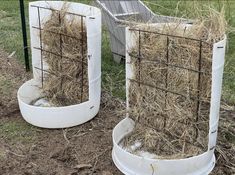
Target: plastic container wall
[
  {"x": 68, "y": 116},
  {"x": 202, "y": 164}
]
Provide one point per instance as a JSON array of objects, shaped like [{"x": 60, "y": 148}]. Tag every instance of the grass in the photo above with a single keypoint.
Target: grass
[
  {"x": 17, "y": 131},
  {"x": 10, "y": 27},
  {"x": 5, "y": 85},
  {"x": 113, "y": 73}
]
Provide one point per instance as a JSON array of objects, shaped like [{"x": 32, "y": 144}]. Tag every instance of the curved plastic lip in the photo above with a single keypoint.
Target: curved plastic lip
[
  {"x": 127, "y": 171},
  {"x": 51, "y": 108},
  {"x": 130, "y": 170},
  {"x": 119, "y": 165},
  {"x": 149, "y": 159}
]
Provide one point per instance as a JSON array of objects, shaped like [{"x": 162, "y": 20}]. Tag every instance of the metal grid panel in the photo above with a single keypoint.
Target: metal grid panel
[
  {"x": 60, "y": 35},
  {"x": 199, "y": 101}
]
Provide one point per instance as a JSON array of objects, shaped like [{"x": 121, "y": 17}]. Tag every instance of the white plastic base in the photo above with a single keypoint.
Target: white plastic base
[
  {"x": 55, "y": 117},
  {"x": 130, "y": 164}
]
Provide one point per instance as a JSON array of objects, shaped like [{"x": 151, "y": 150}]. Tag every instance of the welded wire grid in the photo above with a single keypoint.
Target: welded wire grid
[
  {"x": 200, "y": 103},
  {"x": 60, "y": 55}
]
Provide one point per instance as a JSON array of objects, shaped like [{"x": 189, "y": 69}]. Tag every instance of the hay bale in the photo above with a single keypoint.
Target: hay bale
[
  {"x": 66, "y": 77},
  {"x": 170, "y": 122}
]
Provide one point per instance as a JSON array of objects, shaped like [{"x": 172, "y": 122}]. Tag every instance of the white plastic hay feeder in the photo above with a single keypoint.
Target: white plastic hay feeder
[
  {"x": 67, "y": 116},
  {"x": 202, "y": 164}
]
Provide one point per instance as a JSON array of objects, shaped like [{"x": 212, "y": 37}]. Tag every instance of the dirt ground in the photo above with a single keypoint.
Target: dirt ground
[{"x": 81, "y": 150}]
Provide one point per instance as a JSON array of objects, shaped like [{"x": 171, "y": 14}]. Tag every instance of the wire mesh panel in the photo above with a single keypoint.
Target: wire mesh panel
[
  {"x": 169, "y": 92},
  {"x": 63, "y": 47}
]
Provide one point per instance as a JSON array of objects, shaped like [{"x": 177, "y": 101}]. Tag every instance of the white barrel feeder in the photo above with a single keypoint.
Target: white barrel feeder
[
  {"x": 202, "y": 164},
  {"x": 71, "y": 115}
]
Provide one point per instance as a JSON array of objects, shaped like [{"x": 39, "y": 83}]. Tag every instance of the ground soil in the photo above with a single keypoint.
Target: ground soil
[
  {"x": 12, "y": 74},
  {"x": 83, "y": 150}
]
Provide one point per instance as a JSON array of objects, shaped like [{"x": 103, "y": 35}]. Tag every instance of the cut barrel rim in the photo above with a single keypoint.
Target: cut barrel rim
[{"x": 131, "y": 164}]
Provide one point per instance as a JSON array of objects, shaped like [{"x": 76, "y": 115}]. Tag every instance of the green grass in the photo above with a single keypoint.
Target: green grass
[
  {"x": 17, "y": 131},
  {"x": 10, "y": 28},
  {"x": 5, "y": 85},
  {"x": 113, "y": 73}
]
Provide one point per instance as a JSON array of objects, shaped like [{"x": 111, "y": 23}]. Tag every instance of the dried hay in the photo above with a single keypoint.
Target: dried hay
[
  {"x": 66, "y": 78},
  {"x": 168, "y": 123}
]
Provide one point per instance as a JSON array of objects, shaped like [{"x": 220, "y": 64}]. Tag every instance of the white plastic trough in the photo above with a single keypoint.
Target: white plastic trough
[
  {"x": 68, "y": 116},
  {"x": 203, "y": 164}
]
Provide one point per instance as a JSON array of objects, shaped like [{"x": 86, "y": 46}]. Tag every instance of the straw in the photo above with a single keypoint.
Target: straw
[{"x": 66, "y": 79}]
